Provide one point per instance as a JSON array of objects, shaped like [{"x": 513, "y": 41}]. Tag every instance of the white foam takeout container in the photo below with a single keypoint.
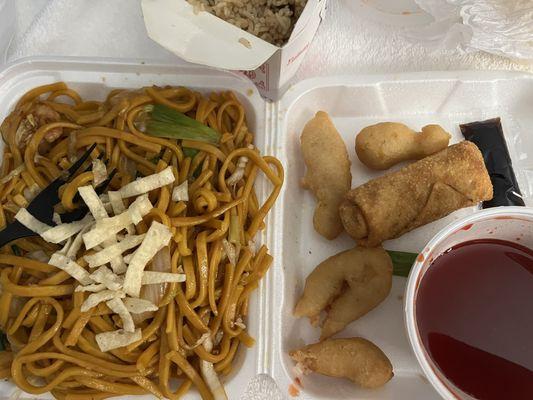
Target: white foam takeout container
[
  {"x": 353, "y": 102},
  {"x": 398, "y": 13},
  {"x": 512, "y": 224},
  {"x": 205, "y": 39}
]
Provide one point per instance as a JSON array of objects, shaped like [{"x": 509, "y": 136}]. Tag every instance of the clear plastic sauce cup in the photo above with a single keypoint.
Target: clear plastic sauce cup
[{"x": 511, "y": 224}]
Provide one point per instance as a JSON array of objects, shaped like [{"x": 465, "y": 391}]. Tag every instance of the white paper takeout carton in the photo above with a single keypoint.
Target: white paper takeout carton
[{"x": 202, "y": 38}]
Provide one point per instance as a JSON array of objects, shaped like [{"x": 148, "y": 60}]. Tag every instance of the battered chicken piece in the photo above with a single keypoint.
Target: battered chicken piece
[
  {"x": 356, "y": 359},
  {"x": 328, "y": 172},
  {"x": 352, "y": 283},
  {"x": 386, "y": 144}
]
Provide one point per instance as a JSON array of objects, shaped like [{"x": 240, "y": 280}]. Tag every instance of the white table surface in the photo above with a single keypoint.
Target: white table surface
[{"x": 352, "y": 39}]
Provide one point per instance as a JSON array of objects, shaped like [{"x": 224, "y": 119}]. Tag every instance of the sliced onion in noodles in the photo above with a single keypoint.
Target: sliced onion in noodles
[
  {"x": 16, "y": 305},
  {"x": 230, "y": 251},
  {"x": 71, "y": 147},
  {"x": 218, "y": 337},
  {"x": 25, "y": 130},
  {"x": 12, "y": 174},
  {"x": 38, "y": 255},
  {"x": 210, "y": 376},
  {"x": 201, "y": 340},
  {"x": 238, "y": 174},
  {"x": 128, "y": 166},
  {"x": 154, "y": 293}
]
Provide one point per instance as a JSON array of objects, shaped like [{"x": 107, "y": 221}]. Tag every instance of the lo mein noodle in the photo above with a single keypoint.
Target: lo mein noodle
[{"x": 199, "y": 324}]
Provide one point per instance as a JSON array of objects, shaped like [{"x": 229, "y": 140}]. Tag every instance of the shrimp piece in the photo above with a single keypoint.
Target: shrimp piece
[
  {"x": 328, "y": 173},
  {"x": 352, "y": 283},
  {"x": 356, "y": 359}
]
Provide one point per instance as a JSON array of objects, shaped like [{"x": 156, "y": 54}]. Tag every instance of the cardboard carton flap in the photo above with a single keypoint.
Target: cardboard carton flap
[
  {"x": 203, "y": 38},
  {"x": 307, "y": 14}
]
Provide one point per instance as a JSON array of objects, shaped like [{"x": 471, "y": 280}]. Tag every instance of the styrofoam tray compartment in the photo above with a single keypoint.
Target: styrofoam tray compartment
[
  {"x": 353, "y": 102},
  {"x": 417, "y": 99},
  {"x": 94, "y": 80}
]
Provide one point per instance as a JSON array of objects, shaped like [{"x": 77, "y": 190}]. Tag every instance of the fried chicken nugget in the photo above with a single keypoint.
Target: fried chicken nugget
[
  {"x": 328, "y": 172},
  {"x": 383, "y": 145},
  {"x": 352, "y": 283},
  {"x": 356, "y": 359}
]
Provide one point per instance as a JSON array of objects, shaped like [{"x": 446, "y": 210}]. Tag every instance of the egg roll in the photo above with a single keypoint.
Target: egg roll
[{"x": 420, "y": 193}]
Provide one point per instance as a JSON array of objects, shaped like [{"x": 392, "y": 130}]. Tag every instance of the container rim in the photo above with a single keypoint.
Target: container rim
[{"x": 414, "y": 279}]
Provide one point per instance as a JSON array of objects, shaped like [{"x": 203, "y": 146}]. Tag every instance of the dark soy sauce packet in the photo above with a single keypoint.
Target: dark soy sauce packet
[{"x": 488, "y": 137}]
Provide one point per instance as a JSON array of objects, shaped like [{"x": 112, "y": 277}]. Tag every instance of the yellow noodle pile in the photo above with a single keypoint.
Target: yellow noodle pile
[{"x": 52, "y": 343}]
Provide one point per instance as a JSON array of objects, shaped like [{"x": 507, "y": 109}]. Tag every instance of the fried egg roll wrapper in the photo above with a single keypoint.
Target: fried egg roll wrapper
[{"x": 420, "y": 193}]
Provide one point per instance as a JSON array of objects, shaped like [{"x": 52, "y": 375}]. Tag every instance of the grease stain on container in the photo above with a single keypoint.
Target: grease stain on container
[
  {"x": 293, "y": 391},
  {"x": 467, "y": 227},
  {"x": 464, "y": 228},
  {"x": 420, "y": 257},
  {"x": 245, "y": 42}
]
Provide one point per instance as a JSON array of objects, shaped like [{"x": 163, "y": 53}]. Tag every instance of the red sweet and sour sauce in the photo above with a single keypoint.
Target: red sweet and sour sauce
[{"x": 474, "y": 312}]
